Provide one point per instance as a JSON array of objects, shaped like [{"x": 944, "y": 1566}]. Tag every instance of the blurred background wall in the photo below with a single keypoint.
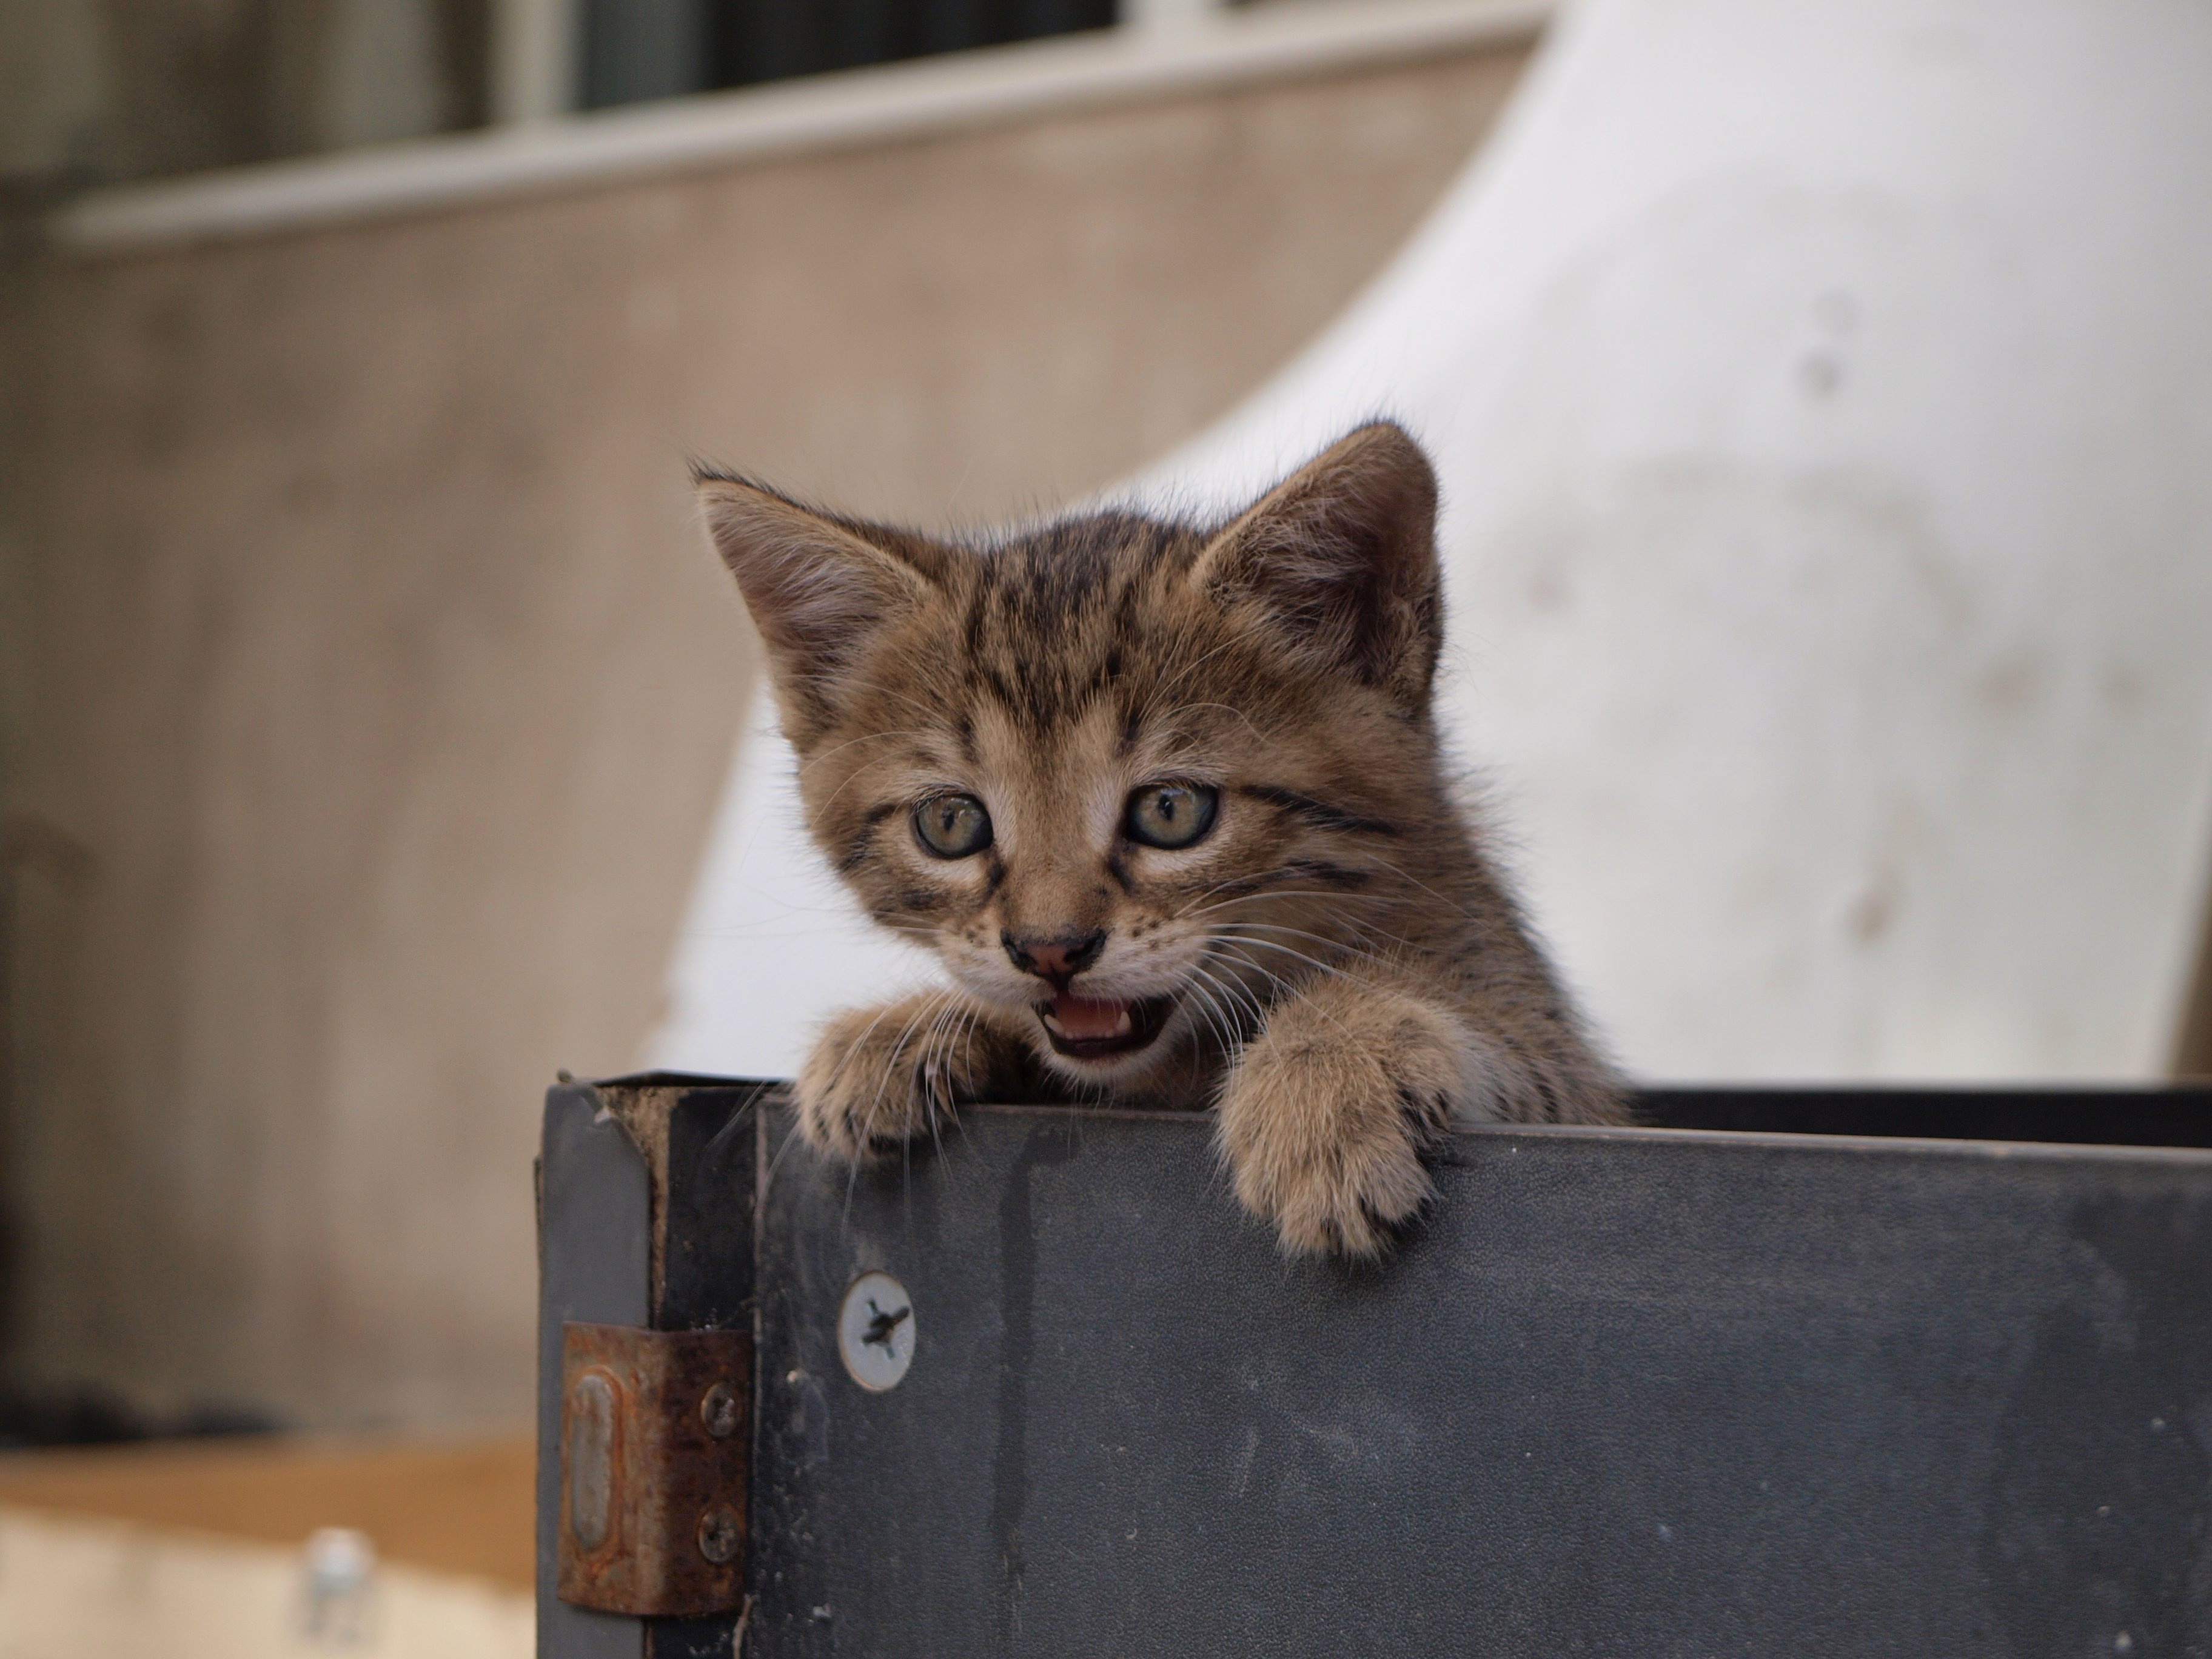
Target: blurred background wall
[
  {"x": 366, "y": 690},
  {"x": 101, "y": 90},
  {"x": 365, "y": 693}
]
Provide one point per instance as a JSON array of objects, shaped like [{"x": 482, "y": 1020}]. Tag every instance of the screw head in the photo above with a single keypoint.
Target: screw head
[
  {"x": 720, "y": 1535},
  {"x": 721, "y": 1411},
  {"x": 875, "y": 1331}
]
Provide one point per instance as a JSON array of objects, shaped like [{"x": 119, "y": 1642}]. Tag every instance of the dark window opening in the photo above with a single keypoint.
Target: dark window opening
[{"x": 640, "y": 49}]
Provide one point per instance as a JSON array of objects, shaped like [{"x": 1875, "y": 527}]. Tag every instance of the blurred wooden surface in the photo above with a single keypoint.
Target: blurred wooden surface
[{"x": 456, "y": 1506}]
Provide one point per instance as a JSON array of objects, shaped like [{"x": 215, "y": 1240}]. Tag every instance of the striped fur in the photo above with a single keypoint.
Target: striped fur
[{"x": 1349, "y": 974}]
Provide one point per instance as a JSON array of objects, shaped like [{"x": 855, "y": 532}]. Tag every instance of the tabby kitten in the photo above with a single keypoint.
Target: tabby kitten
[{"x": 1168, "y": 802}]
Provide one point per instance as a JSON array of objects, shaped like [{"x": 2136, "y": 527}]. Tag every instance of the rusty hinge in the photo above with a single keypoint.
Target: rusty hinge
[{"x": 655, "y": 1429}]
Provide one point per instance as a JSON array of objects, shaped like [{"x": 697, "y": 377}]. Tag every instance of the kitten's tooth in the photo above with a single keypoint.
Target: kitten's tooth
[
  {"x": 1052, "y": 1025},
  {"x": 1122, "y": 1026}
]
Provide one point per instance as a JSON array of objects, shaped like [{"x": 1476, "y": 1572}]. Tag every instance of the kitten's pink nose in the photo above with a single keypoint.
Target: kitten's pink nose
[{"x": 1057, "y": 960}]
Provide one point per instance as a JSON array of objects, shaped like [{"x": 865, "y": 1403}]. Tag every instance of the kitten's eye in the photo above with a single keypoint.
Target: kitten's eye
[
  {"x": 952, "y": 826},
  {"x": 1172, "y": 815}
]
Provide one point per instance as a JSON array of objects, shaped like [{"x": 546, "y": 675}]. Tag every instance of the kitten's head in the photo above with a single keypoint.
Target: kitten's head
[{"x": 1123, "y": 775}]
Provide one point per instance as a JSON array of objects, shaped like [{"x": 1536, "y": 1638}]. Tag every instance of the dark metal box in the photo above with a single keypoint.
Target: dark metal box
[{"x": 1800, "y": 1372}]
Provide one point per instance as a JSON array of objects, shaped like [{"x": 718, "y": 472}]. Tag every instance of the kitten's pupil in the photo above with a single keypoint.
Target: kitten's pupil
[
  {"x": 1172, "y": 815},
  {"x": 952, "y": 826}
]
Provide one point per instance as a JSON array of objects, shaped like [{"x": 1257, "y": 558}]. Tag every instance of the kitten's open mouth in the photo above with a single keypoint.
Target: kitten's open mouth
[{"x": 1083, "y": 1029}]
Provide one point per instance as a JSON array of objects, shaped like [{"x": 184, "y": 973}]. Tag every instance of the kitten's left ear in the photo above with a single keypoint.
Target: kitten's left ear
[
  {"x": 821, "y": 589},
  {"x": 1338, "y": 561}
]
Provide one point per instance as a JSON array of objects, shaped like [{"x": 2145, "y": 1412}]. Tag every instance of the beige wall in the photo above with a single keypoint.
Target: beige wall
[{"x": 373, "y": 693}]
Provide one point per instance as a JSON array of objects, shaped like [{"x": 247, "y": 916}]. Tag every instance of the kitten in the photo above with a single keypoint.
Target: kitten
[{"x": 1168, "y": 802}]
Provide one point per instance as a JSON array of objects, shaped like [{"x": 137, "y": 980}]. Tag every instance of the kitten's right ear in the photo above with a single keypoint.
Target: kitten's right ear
[
  {"x": 1338, "y": 561},
  {"x": 819, "y": 588}
]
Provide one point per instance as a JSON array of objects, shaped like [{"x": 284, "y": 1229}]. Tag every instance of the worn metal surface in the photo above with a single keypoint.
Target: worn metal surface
[
  {"x": 2107, "y": 1117},
  {"x": 1633, "y": 1393},
  {"x": 706, "y": 1181},
  {"x": 653, "y": 1469},
  {"x": 594, "y": 1262},
  {"x": 1628, "y": 1393},
  {"x": 646, "y": 1194}
]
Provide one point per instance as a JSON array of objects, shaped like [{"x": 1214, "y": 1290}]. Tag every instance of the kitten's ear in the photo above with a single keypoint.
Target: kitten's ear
[
  {"x": 1338, "y": 560},
  {"x": 819, "y": 589}
]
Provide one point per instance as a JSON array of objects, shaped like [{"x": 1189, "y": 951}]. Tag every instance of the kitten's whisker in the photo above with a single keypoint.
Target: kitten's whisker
[
  {"x": 1211, "y": 919},
  {"x": 940, "y": 1031},
  {"x": 860, "y": 1138},
  {"x": 1317, "y": 965},
  {"x": 791, "y": 1137},
  {"x": 1241, "y": 999},
  {"x": 1357, "y": 952},
  {"x": 1381, "y": 863},
  {"x": 1197, "y": 908},
  {"x": 876, "y": 1101},
  {"x": 1159, "y": 727},
  {"x": 1210, "y": 989},
  {"x": 1209, "y": 1010},
  {"x": 1243, "y": 996},
  {"x": 1294, "y": 992},
  {"x": 969, "y": 1016},
  {"x": 814, "y": 760},
  {"x": 857, "y": 1044},
  {"x": 1255, "y": 888},
  {"x": 1167, "y": 687}
]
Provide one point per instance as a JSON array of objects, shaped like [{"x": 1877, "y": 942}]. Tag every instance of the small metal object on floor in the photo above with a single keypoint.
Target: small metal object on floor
[{"x": 339, "y": 1565}]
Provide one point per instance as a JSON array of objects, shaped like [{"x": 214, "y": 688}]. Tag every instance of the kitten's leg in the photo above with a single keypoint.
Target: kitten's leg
[
  {"x": 1324, "y": 1117},
  {"x": 881, "y": 1077}
]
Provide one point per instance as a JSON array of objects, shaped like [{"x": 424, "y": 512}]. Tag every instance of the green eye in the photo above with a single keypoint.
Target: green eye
[
  {"x": 952, "y": 826},
  {"x": 1172, "y": 815}
]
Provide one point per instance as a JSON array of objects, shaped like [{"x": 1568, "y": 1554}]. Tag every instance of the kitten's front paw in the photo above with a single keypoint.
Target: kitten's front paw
[
  {"x": 882, "y": 1077},
  {"x": 1325, "y": 1118}
]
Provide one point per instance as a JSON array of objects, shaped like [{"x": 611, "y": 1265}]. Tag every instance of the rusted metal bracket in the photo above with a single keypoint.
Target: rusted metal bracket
[{"x": 655, "y": 1427}]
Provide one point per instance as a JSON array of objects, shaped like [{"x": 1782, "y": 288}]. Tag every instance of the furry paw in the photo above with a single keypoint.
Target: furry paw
[
  {"x": 882, "y": 1077},
  {"x": 1324, "y": 1119}
]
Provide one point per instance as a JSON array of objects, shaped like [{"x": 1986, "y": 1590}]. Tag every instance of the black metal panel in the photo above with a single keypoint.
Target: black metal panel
[
  {"x": 2105, "y": 1117},
  {"x": 706, "y": 1269},
  {"x": 1639, "y": 1393},
  {"x": 594, "y": 1262},
  {"x": 706, "y": 1273}
]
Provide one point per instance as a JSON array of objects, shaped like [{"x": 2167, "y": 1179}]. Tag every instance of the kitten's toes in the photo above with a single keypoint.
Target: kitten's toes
[
  {"x": 1330, "y": 1153},
  {"x": 877, "y": 1079},
  {"x": 1354, "y": 1203},
  {"x": 1325, "y": 1117}
]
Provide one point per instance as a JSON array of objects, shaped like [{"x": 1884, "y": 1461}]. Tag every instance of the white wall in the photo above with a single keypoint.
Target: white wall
[{"x": 1823, "y": 393}]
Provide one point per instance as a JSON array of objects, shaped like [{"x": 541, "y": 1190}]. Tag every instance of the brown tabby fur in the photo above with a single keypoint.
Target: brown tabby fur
[{"x": 1353, "y": 976}]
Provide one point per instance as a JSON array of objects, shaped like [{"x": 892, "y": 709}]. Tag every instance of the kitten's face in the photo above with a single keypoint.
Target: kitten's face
[{"x": 1118, "y": 774}]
